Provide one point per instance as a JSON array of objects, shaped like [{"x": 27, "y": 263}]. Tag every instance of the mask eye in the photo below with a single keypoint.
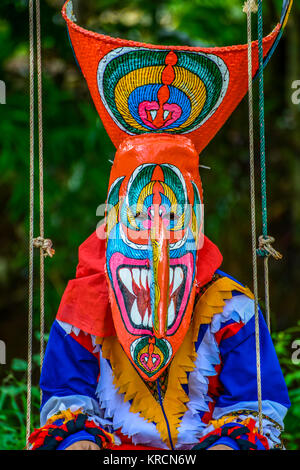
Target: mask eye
[
  {"x": 173, "y": 217},
  {"x": 141, "y": 217}
]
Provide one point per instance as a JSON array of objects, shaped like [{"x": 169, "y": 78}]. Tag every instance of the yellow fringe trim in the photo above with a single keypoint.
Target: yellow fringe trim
[
  {"x": 213, "y": 300},
  {"x": 65, "y": 415},
  {"x": 128, "y": 381},
  {"x": 218, "y": 423}
]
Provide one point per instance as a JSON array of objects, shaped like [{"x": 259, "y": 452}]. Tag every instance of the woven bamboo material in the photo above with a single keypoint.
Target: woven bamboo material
[{"x": 142, "y": 88}]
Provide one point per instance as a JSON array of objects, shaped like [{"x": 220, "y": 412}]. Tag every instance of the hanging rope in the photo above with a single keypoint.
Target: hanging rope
[
  {"x": 43, "y": 244},
  {"x": 249, "y": 8},
  {"x": 43, "y": 251},
  {"x": 31, "y": 221},
  {"x": 265, "y": 248}
]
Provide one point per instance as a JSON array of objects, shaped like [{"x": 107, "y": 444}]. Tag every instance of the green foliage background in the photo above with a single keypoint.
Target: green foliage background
[{"x": 77, "y": 154}]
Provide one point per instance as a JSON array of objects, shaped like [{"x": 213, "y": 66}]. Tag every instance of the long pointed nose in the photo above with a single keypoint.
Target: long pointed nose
[{"x": 160, "y": 277}]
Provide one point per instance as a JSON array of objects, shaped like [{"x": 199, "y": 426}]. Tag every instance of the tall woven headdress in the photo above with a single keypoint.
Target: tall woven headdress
[{"x": 142, "y": 88}]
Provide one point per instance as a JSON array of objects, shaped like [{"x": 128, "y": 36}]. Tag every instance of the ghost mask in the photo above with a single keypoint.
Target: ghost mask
[{"x": 154, "y": 220}]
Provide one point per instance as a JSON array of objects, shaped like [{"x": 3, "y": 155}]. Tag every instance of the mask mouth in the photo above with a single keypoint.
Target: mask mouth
[{"x": 131, "y": 282}]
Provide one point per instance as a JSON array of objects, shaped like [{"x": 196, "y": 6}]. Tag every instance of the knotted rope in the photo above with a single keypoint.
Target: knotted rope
[
  {"x": 250, "y": 6},
  {"x": 44, "y": 244},
  {"x": 41, "y": 180},
  {"x": 265, "y": 248}
]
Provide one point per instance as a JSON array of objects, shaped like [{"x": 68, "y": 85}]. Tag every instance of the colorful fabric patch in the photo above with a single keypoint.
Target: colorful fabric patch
[
  {"x": 54, "y": 432},
  {"x": 245, "y": 436}
]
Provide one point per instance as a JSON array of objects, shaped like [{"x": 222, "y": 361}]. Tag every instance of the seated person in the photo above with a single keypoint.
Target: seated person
[{"x": 153, "y": 346}]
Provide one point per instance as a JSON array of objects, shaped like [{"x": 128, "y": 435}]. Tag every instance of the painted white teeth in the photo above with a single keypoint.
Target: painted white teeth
[
  {"x": 166, "y": 114},
  {"x": 170, "y": 275},
  {"x": 135, "y": 314},
  {"x": 153, "y": 113},
  {"x": 126, "y": 278},
  {"x": 178, "y": 278},
  {"x": 145, "y": 319},
  {"x": 144, "y": 275},
  {"x": 171, "y": 313},
  {"x": 143, "y": 278},
  {"x": 136, "y": 276}
]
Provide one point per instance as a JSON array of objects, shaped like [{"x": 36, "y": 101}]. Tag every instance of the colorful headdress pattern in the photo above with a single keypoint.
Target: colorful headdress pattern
[
  {"x": 161, "y": 91},
  {"x": 141, "y": 88}
]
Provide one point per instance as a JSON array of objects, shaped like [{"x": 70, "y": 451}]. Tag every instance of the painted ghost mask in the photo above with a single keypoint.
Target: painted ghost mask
[
  {"x": 154, "y": 221},
  {"x": 171, "y": 101}
]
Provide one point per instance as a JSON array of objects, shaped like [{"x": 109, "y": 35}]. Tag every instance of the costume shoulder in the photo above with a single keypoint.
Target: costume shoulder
[
  {"x": 85, "y": 302},
  {"x": 223, "y": 299}
]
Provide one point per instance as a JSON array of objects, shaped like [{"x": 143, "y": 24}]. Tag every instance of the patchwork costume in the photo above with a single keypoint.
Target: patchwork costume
[{"x": 153, "y": 346}]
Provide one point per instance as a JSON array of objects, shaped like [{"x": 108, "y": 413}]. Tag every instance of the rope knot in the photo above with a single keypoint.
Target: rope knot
[
  {"x": 46, "y": 245},
  {"x": 265, "y": 247},
  {"x": 250, "y": 6}
]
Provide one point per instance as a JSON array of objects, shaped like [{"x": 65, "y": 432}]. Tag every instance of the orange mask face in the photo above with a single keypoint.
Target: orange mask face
[{"x": 154, "y": 222}]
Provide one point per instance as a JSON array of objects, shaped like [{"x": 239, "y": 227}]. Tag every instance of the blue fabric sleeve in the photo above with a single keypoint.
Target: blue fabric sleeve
[
  {"x": 78, "y": 436},
  {"x": 225, "y": 441},
  {"x": 68, "y": 368},
  {"x": 69, "y": 378},
  {"x": 238, "y": 375}
]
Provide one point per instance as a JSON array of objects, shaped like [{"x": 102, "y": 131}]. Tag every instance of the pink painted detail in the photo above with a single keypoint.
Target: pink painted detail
[
  {"x": 118, "y": 259},
  {"x": 146, "y": 107},
  {"x": 145, "y": 359},
  {"x": 174, "y": 109},
  {"x": 148, "y": 223}
]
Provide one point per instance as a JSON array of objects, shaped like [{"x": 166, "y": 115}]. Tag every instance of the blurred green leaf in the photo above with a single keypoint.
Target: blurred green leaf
[{"x": 19, "y": 365}]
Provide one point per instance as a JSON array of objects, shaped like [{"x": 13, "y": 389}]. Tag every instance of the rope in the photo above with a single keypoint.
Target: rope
[
  {"x": 265, "y": 246},
  {"x": 41, "y": 181},
  {"x": 43, "y": 244},
  {"x": 250, "y": 6},
  {"x": 262, "y": 121},
  {"x": 248, "y": 9},
  {"x": 31, "y": 222},
  {"x": 265, "y": 249}
]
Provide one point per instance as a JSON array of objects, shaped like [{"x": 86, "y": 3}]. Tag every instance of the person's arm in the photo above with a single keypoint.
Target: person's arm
[
  {"x": 70, "y": 414},
  {"x": 235, "y": 422}
]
